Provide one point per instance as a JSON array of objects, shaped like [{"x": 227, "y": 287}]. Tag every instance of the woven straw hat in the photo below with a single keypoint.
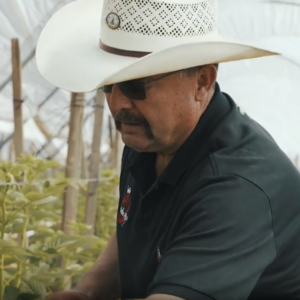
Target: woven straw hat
[{"x": 91, "y": 43}]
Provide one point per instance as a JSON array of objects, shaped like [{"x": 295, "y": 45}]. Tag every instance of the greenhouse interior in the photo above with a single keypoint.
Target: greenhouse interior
[{"x": 60, "y": 153}]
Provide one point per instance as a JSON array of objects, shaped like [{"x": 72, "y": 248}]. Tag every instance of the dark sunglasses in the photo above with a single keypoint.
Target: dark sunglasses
[{"x": 134, "y": 89}]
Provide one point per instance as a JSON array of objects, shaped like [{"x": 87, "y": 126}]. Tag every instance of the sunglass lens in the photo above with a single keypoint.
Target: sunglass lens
[
  {"x": 107, "y": 88},
  {"x": 133, "y": 89}
]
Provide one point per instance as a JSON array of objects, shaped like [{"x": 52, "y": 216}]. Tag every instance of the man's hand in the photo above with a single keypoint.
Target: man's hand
[
  {"x": 69, "y": 295},
  {"x": 101, "y": 282}
]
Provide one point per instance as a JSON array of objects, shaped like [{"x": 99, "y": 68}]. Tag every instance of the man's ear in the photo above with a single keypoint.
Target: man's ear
[{"x": 206, "y": 79}]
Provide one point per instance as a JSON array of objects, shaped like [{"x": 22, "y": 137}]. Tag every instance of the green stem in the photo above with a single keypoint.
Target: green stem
[
  {"x": 2, "y": 284},
  {"x": 24, "y": 231},
  {"x": 49, "y": 290},
  {"x": 65, "y": 278},
  {"x": 3, "y": 209},
  {"x": 23, "y": 245},
  {"x": 11, "y": 278},
  {"x": 68, "y": 280}
]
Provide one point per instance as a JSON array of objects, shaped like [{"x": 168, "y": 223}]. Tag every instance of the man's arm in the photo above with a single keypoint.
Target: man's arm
[
  {"x": 102, "y": 281},
  {"x": 224, "y": 243},
  {"x": 161, "y": 297}
]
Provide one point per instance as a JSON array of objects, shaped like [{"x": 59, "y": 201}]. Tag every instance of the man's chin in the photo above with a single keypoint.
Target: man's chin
[{"x": 138, "y": 143}]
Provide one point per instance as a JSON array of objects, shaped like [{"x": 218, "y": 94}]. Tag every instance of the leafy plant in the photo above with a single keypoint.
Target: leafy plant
[
  {"x": 105, "y": 224},
  {"x": 35, "y": 256}
]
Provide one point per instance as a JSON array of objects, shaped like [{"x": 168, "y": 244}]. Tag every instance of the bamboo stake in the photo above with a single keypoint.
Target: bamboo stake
[
  {"x": 42, "y": 127},
  {"x": 83, "y": 167},
  {"x": 11, "y": 151},
  {"x": 110, "y": 131},
  {"x": 111, "y": 143},
  {"x": 115, "y": 150},
  {"x": 119, "y": 154},
  {"x": 117, "y": 157},
  {"x": 91, "y": 201},
  {"x": 17, "y": 98},
  {"x": 73, "y": 160}
]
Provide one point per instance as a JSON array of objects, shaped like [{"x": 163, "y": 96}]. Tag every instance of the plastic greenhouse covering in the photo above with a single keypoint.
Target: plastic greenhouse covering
[{"x": 268, "y": 89}]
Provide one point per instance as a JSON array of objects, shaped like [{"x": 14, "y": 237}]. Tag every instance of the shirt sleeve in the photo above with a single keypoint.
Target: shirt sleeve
[{"x": 224, "y": 243}]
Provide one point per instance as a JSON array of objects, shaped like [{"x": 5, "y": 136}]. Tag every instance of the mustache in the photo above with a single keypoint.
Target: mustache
[
  {"x": 128, "y": 117},
  {"x": 124, "y": 116}
]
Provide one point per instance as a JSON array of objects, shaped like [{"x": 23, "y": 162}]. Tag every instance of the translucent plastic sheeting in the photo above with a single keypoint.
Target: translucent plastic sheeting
[{"x": 267, "y": 88}]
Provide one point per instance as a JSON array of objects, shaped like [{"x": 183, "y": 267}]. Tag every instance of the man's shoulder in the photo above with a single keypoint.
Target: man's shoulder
[
  {"x": 242, "y": 147},
  {"x": 249, "y": 151}
]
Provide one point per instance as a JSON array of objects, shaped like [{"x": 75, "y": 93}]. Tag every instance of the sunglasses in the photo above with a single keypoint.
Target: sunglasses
[{"x": 134, "y": 89}]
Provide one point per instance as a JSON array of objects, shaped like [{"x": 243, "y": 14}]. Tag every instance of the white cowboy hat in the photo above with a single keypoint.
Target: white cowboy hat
[{"x": 91, "y": 43}]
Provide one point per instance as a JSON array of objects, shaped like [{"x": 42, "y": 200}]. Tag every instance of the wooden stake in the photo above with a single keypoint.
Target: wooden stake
[
  {"x": 17, "y": 97},
  {"x": 110, "y": 131},
  {"x": 119, "y": 154},
  {"x": 115, "y": 150},
  {"x": 73, "y": 160},
  {"x": 91, "y": 201},
  {"x": 83, "y": 167},
  {"x": 11, "y": 151}
]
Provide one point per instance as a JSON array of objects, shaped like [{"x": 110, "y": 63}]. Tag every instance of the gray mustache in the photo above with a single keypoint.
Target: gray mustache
[{"x": 128, "y": 117}]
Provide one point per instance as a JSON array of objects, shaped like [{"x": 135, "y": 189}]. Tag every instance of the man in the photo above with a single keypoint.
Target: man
[{"x": 209, "y": 205}]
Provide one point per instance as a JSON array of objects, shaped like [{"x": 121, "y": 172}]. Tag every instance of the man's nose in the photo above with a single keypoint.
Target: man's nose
[{"x": 118, "y": 101}]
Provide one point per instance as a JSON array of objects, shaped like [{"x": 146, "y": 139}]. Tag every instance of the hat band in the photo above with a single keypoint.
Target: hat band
[{"x": 121, "y": 52}]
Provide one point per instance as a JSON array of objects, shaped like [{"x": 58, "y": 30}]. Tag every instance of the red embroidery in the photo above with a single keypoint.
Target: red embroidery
[{"x": 124, "y": 209}]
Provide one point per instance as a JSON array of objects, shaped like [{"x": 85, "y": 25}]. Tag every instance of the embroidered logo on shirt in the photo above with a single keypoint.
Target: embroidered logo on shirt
[{"x": 124, "y": 209}]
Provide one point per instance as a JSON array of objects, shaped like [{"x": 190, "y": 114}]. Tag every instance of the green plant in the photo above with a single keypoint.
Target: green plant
[
  {"x": 35, "y": 256},
  {"x": 105, "y": 224}
]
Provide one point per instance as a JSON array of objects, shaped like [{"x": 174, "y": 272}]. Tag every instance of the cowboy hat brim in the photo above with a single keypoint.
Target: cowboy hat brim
[{"x": 68, "y": 53}]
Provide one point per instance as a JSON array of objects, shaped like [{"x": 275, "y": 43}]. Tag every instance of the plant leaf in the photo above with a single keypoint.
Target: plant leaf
[
  {"x": 7, "y": 243},
  {"x": 28, "y": 296},
  {"x": 36, "y": 287},
  {"x": 44, "y": 214},
  {"x": 22, "y": 261},
  {"x": 41, "y": 269},
  {"x": 85, "y": 241},
  {"x": 34, "y": 196},
  {"x": 9, "y": 248},
  {"x": 28, "y": 188},
  {"x": 43, "y": 201},
  {"x": 59, "y": 241},
  {"x": 15, "y": 198},
  {"x": 11, "y": 293},
  {"x": 14, "y": 251}
]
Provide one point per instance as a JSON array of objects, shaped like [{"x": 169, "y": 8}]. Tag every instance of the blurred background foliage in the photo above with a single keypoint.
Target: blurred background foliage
[{"x": 36, "y": 257}]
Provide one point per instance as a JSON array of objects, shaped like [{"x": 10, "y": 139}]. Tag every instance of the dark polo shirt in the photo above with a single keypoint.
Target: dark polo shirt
[{"x": 221, "y": 222}]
